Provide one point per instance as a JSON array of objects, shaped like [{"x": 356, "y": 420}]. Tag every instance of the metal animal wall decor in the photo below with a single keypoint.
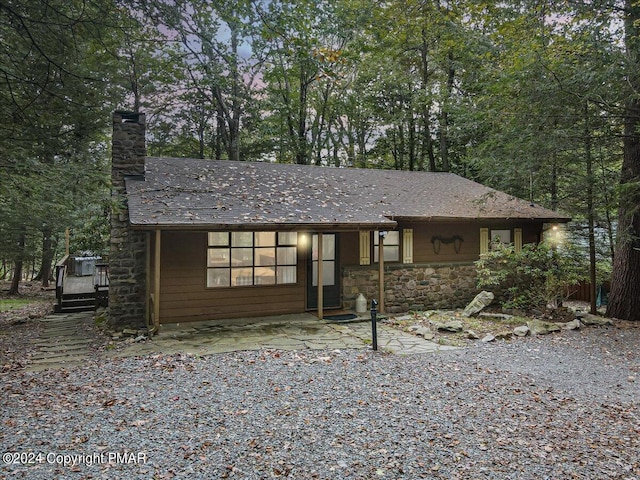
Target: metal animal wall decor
[{"x": 437, "y": 241}]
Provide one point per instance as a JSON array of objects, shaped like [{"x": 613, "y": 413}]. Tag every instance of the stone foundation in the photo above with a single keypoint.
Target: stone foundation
[{"x": 412, "y": 287}]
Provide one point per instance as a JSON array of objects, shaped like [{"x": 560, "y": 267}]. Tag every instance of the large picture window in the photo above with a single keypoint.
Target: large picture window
[{"x": 251, "y": 258}]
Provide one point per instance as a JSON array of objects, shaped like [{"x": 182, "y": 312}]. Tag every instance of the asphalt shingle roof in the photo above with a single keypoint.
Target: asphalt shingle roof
[{"x": 181, "y": 193}]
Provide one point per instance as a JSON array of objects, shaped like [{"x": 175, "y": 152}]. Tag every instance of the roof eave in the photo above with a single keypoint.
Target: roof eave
[
  {"x": 546, "y": 219},
  {"x": 268, "y": 226}
]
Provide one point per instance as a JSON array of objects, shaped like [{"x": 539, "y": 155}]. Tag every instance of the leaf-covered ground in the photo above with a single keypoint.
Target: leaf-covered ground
[
  {"x": 561, "y": 406},
  {"x": 19, "y": 322}
]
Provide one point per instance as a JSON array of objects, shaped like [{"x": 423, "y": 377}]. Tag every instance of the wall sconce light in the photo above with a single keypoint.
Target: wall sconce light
[
  {"x": 303, "y": 240},
  {"x": 555, "y": 235}
]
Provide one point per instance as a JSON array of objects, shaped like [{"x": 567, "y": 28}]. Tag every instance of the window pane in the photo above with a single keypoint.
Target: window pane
[
  {"x": 241, "y": 257},
  {"x": 391, "y": 246},
  {"x": 314, "y": 247},
  {"x": 328, "y": 247},
  {"x": 242, "y": 239},
  {"x": 287, "y": 238},
  {"x": 287, "y": 275},
  {"x": 218, "y": 277},
  {"x": 265, "y": 239},
  {"x": 392, "y": 238},
  {"x": 287, "y": 255},
  {"x": 241, "y": 276},
  {"x": 265, "y": 276},
  {"x": 265, "y": 256},
  {"x": 328, "y": 273},
  {"x": 501, "y": 236},
  {"x": 218, "y": 239},
  {"x": 391, "y": 253},
  {"x": 218, "y": 257}
]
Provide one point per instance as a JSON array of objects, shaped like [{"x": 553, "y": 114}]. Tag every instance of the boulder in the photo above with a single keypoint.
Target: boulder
[
  {"x": 424, "y": 332},
  {"x": 539, "y": 327},
  {"x": 521, "y": 331},
  {"x": 454, "y": 326},
  {"x": 471, "y": 335},
  {"x": 488, "y": 338},
  {"x": 589, "y": 319},
  {"x": 506, "y": 335},
  {"x": 572, "y": 325},
  {"x": 482, "y": 300}
]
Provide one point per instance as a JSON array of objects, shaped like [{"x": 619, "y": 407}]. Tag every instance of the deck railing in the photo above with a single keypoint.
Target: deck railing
[
  {"x": 61, "y": 271},
  {"x": 101, "y": 284},
  {"x": 65, "y": 268}
]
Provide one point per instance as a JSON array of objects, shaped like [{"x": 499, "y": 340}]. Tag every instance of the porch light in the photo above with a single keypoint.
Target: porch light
[
  {"x": 556, "y": 235},
  {"x": 303, "y": 240}
]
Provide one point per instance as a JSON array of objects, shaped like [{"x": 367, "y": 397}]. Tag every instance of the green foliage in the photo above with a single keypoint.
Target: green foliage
[
  {"x": 533, "y": 277},
  {"x": 8, "y": 304}
]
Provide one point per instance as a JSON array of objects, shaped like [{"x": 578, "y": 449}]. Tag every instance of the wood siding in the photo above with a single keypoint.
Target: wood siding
[
  {"x": 423, "y": 248},
  {"x": 185, "y": 298}
]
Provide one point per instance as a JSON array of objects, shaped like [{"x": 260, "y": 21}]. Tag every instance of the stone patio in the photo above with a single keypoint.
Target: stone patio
[{"x": 62, "y": 336}]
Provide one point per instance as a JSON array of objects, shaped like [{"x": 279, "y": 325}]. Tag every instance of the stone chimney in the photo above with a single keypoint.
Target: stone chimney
[{"x": 127, "y": 253}]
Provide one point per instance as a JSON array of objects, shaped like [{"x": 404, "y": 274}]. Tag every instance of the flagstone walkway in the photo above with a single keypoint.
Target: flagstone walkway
[{"x": 65, "y": 341}]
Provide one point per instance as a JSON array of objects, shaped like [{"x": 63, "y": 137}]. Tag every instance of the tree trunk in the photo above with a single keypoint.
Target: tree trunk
[
  {"x": 554, "y": 183},
  {"x": 590, "y": 210},
  {"x": 412, "y": 143},
  {"x": 444, "y": 118},
  {"x": 47, "y": 257},
  {"x": 624, "y": 298},
  {"x": 17, "y": 268},
  {"x": 427, "y": 141},
  {"x": 301, "y": 140},
  {"x": 46, "y": 260}
]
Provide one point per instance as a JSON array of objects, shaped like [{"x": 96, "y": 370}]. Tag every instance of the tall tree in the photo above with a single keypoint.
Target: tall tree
[
  {"x": 52, "y": 91},
  {"x": 214, "y": 39},
  {"x": 624, "y": 299}
]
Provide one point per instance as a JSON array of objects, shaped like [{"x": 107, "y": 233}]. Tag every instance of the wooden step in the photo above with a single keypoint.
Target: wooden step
[{"x": 75, "y": 303}]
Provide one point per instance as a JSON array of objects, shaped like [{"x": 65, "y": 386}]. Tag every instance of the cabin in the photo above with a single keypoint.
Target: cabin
[{"x": 195, "y": 239}]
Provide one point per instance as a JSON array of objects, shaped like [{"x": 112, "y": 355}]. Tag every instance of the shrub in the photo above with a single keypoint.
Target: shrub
[{"x": 532, "y": 278}]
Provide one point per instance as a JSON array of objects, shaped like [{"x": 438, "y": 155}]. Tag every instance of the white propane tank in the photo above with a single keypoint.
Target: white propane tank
[{"x": 361, "y": 304}]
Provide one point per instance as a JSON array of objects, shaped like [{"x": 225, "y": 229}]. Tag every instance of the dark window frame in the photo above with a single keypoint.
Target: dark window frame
[{"x": 252, "y": 280}]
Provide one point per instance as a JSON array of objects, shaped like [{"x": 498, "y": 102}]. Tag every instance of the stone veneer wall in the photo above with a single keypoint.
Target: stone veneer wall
[
  {"x": 127, "y": 253},
  {"x": 412, "y": 287}
]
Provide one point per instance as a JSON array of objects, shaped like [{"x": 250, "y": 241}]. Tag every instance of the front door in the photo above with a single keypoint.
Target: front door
[{"x": 330, "y": 272}]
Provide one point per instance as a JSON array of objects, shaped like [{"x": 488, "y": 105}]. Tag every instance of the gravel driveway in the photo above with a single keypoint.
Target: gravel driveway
[{"x": 557, "y": 407}]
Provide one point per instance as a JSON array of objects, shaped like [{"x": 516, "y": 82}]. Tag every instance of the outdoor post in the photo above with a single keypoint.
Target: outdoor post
[
  {"x": 149, "y": 290},
  {"x": 156, "y": 283},
  {"x": 320, "y": 273},
  {"x": 374, "y": 327},
  {"x": 381, "y": 236}
]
